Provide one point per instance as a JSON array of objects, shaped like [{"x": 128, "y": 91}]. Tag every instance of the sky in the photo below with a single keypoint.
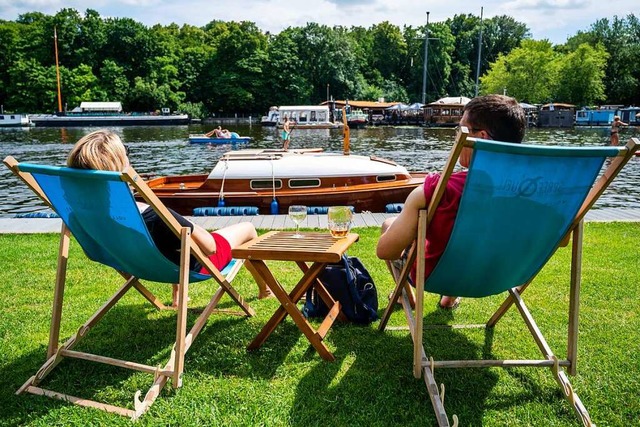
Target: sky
[{"x": 554, "y": 20}]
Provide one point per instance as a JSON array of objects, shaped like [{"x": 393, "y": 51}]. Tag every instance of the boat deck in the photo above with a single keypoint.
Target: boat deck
[{"x": 278, "y": 222}]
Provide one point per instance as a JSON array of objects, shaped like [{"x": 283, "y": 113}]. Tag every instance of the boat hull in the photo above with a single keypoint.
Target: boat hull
[
  {"x": 357, "y": 124},
  {"x": 184, "y": 193},
  {"x": 116, "y": 120},
  {"x": 326, "y": 125}
]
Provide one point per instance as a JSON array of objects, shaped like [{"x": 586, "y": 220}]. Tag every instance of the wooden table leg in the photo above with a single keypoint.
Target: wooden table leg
[{"x": 288, "y": 306}]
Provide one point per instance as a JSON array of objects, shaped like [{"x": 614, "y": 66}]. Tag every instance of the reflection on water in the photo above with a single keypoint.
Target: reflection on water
[{"x": 164, "y": 150}]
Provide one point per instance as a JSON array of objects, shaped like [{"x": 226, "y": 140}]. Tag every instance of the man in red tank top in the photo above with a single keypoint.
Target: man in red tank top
[{"x": 495, "y": 117}]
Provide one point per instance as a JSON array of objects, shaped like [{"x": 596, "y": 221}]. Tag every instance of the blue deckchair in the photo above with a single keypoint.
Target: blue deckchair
[
  {"x": 98, "y": 208},
  {"x": 519, "y": 204}
]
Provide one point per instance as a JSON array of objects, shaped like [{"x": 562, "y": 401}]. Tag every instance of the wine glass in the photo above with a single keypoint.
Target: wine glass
[{"x": 297, "y": 213}]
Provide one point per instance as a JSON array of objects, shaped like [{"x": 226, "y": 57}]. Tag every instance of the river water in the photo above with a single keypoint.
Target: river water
[{"x": 164, "y": 150}]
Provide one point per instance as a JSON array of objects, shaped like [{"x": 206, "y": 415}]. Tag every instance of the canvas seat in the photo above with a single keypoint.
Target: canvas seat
[
  {"x": 99, "y": 210},
  {"x": 519, "y": 204}
]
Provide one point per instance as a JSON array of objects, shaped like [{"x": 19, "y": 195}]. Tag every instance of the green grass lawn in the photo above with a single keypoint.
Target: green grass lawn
[{"x": 286, "y": 383}]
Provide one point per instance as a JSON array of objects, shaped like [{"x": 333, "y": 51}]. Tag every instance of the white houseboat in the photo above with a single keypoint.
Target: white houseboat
[
  {"x": 307, "y": 117},
  {"x": 14, "y": 120},
  {"x": 271, "y": 119}
]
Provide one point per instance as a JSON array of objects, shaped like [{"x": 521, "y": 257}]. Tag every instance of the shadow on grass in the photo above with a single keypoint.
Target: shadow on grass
[
  {"x": 372, "y": 382},
  {"x": 138, "y": 333}
]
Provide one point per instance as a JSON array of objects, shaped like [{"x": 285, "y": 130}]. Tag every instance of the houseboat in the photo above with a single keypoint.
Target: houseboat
[
  {"x": 14, "y": 120},
  {"x": 271, "y": 119},
  {"x": 307, "y": 117},
  {"x": 375, "y": 110},
  {"x": 556, "y": 115},
  {"x": 630, "y": 115},
  {"x": 445, "y": 112},
  {"x": 90, "y": 114},
  {"x": 595, "y": 117}
]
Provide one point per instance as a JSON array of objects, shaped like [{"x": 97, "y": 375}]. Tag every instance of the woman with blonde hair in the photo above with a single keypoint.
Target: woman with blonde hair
[{"x": 103, "y": 150}]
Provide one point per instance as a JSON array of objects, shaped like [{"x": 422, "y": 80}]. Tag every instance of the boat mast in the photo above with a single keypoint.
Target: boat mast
[
  {"x": 479, "y": 51},
  {"x": 424, "y": 67},
  {"x": 345, "y": 132},
  {"x": 55, "y": 42}
]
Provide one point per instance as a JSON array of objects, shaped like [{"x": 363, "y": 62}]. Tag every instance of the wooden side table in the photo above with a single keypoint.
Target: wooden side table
[{"x": 319, "y": 249}]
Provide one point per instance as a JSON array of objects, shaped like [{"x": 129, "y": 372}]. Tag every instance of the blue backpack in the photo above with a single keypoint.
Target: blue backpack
[{"x": 348, "y": 282}]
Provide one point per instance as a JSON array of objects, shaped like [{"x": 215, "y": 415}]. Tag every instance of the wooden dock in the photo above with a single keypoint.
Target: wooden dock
[{"x": 279, "y": 222}]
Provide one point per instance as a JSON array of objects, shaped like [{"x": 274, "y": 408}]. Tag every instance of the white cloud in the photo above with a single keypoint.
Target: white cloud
[{"x": 550, "y": 5}]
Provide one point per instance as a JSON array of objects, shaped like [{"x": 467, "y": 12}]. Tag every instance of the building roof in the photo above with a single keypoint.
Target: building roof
[
  {"x": 101, "y": 106},
  {"x": 558, "y": 105},
  {"x": 451, "y": 100},
  {"x": 371, "y": 105}
]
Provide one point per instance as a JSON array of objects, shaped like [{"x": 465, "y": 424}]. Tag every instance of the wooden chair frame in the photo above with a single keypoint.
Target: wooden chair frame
[
  {"x": 425, "y": 366},
  {"x": 174, "y": 368}
]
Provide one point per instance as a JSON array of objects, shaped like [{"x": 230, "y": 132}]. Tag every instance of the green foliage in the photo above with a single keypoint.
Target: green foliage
[
  {"x": 113, "y": 81},
  {"x": 581, "y": 75},
  {"x": 194, "y": 110},
  {"x": 393, "y": 91},
  {"x": 528, "y": 73},
  {"x": 234, "y": 67},
  {"x": 34, "y": 86},
  {"x": 391, "y": 50},
  {"x": 621, "y": 39}
]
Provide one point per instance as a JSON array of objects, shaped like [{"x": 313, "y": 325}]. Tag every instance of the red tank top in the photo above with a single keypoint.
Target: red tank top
[{"x": 439, "y": 230}]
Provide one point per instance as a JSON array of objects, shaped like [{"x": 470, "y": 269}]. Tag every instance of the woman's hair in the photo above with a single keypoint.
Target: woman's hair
[
  {"x": 500, "y": 116},
  {"x": 100, "y": 150}
]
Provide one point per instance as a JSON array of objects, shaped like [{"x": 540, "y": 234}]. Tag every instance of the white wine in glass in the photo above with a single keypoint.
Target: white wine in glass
[{"x": 297, "y": 213}]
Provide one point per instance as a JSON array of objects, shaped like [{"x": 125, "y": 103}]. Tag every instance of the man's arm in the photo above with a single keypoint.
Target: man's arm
[{"x": 403, "y": 230}]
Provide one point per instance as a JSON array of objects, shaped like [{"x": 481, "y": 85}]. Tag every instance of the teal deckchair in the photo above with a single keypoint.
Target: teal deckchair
[
  {"x": 520, "y": 203},
  {"x": 98, "y": 209}
]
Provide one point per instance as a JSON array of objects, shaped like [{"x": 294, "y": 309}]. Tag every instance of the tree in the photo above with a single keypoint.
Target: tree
[
  {"x": 390, "y": 49},
  {"x": 328, "y": 58},
  {"x": 528, "y": 73},
  {"x": 581, "y": 75},
  {"x": 82, "y": 85},
  {"x": 33, "y": 86},
  {"x": 620, "y": 38},
  {"x": 113, "y": 81},
  {"x": 439, "y": 64},
  {"x": 9, "y": 55},
  {"x": 500, "y": 35},
  {"x": 284, "y": 72}
]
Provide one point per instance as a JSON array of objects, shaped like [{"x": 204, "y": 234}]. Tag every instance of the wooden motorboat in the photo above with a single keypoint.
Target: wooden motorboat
[
  {"x": 308, "y": 177},
  {"x": 296, "y": 177},
  {"x": 357, "y": 119},
  {"x": 201, "y": 138}
]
